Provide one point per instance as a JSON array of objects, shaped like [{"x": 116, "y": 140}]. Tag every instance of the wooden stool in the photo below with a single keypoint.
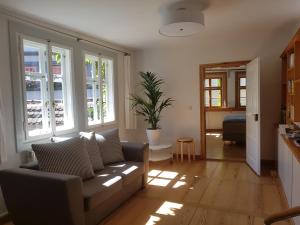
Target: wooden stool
[{"x": 190, "y": 146}]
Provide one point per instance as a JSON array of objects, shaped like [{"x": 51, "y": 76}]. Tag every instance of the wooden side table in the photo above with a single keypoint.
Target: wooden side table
[{"x": 189, "y": 142}]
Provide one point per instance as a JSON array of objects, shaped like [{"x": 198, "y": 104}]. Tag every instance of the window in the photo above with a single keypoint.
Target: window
[
  {"x": 213, "y": 91},
  {"x": 241, "y": 89},
  {"x": 99, "y": 89},
  {"x": 47, "y": 88}
]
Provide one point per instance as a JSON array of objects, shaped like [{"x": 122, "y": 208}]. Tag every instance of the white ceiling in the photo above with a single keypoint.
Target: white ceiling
[{"x": 135, "y": 23}]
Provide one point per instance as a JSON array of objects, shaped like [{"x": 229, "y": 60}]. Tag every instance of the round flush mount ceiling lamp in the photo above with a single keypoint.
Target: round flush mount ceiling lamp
[{"x": 183, "y": 18}]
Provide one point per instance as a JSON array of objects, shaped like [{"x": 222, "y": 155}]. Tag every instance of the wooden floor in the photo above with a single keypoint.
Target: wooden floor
[
  {"x": 216, "y": 149},
  {"x": 204, "y": 193},
  {"x": 201, "y": 193}
]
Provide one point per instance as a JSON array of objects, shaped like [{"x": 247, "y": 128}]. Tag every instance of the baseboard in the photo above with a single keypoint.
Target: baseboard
[{"x": 4, "y": 218}]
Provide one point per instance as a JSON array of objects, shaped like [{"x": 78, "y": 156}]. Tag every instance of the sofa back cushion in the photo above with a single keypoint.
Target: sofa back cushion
[
  {"x": 110, "y": 146},
  {"x": 66, "y": 157},
  {"x": 93, "y": 150}
]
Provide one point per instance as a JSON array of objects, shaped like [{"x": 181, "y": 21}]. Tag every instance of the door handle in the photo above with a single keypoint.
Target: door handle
[{"x": 255, "y": 117}]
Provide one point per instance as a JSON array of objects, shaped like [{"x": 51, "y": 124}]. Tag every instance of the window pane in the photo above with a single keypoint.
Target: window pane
[
  {"x": 34, "y": 57},
  {"x": 36, "y": 88},
  {"x": 206, "y": 82},
  {"x": 243, "y": 93},
  {"x": 216, "y": 98},
  {"x": 56, "y": 62},
  {"x": 243, "y": 82},
  {"x": 216, "y": 102},
  {"x": 92, "y": 67},
  {"x": 216, "y": 94},
  {"x": 242, "y": 101},
  {"x": 88, "y": 68},
  {"x": 216, "y": 82},
  {"x": 207, "y": 103},
  {"x": 93, "y": 103},
  {"x": 107, "y": 90},
  {"x": 61, "y": 68},
  {"x": 93, "y": 89}
]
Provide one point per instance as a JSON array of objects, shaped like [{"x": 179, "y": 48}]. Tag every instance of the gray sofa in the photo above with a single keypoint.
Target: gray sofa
[{"x": 39, "y": 198}]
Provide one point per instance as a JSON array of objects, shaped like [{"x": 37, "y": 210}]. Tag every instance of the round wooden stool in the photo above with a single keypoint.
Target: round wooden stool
[{"x": 189, "y": 142}]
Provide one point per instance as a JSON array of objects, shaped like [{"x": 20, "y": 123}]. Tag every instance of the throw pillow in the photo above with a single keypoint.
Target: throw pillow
[
  {"x": 110, "y": 146},
  {"x": 66, "y": 157},
  {"x": 93, "y": 150}
]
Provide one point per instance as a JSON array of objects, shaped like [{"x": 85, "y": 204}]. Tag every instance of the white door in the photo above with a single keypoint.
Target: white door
[{"x": 253, "y": 115}]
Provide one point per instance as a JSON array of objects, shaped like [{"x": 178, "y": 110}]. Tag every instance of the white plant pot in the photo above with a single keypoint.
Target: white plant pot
[{"x": 153, "y": 136}]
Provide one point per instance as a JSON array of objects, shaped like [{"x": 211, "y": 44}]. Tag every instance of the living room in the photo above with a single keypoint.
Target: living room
[{"x": 77, "y": 70}]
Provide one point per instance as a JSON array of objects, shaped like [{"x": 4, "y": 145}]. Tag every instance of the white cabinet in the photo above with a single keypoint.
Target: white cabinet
[
  {"x": 289, "y": 174},
  {"x": 285, "y": 168},
  {"x": 296, "y": 187}
]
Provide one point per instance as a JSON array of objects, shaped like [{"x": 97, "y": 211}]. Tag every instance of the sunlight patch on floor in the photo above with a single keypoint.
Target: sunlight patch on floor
[
  {"x": 168, "y": 175},
  {"x": 159, "y": 182},
  {"x": 152, "y": 220},
  {"x": 154, "y": 173},
  {"x": 169, "y": 208},
  {"x": 179, "y": 184},
  {"x": 217, "y": 135}
]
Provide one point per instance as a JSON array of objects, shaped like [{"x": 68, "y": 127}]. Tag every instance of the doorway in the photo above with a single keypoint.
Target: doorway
[{"x": 223, "y": 110}]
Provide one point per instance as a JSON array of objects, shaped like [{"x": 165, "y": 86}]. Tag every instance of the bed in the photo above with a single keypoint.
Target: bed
[{"x": 234, "y": 128}]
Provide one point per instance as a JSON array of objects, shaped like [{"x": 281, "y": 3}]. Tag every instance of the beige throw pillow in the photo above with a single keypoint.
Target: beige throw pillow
[{"x": 66, "y": 157}]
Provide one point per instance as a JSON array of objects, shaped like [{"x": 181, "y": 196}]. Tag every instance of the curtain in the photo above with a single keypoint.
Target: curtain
[
  {"x": 3, "y": 153},
  {"x": 130, "y": 117}
]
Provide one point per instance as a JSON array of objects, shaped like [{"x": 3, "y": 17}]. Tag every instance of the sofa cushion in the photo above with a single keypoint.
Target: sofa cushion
[
  {"x": 100, "y": 188},
  {"x": 66, "y": 157},
  {"x": 110, "y": 146},
  {"x": 129, "y": 171},
  {"x": 93, "y": 150}
]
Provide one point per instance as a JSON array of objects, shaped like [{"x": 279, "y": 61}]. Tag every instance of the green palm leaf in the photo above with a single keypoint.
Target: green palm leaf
[{"x": 152, "y": 105}]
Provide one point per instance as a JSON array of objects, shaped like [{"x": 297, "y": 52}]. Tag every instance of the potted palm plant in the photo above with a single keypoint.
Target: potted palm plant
[{"x": 151, "y": 105}]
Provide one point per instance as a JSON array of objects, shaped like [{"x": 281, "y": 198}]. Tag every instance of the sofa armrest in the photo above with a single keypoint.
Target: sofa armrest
[
  {"x": 31, "y": 165},
  {"x": 137, "y": 152},
  {"x": 35, "y": 197}
]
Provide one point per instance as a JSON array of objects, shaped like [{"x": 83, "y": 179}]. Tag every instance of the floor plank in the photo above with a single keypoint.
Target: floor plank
[{"x": 202, "y": 193}]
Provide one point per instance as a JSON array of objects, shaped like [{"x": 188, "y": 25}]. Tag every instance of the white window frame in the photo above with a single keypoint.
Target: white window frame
[
  {"x": 101, "y": 121},
  {"x": 53, "y": 132},
  {"x": 69, "y": 84}
]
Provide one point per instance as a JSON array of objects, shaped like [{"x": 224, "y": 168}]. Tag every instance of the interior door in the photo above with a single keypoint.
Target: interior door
[{"x": 253, "y": 115}]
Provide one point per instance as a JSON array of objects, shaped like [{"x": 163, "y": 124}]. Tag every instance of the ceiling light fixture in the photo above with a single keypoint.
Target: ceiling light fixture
[{"x": 183, "y": 18}]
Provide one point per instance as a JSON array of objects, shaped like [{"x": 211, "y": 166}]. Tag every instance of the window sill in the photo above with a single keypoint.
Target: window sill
[
  {"x": 25, "y": 145},
  {"x": 224, "y": 109}
]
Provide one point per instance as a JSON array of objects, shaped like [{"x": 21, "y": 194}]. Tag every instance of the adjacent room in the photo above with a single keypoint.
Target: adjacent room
[
  {"x": 165, "y": 112},
  {"x": 225, "y": 112}
]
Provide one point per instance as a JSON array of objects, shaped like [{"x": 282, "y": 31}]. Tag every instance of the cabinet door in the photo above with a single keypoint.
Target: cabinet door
[
  {"x": 285, "y": 162},
  {"x": 288, "y": 174},
  {"x": 296, "y": 187},
  {"x": 281, "y": 150}
]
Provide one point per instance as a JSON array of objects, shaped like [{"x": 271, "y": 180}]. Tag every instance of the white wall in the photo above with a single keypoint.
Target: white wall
[
  {"x": 179, "y": 67},
  {"x": 14, "y": 159}
]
